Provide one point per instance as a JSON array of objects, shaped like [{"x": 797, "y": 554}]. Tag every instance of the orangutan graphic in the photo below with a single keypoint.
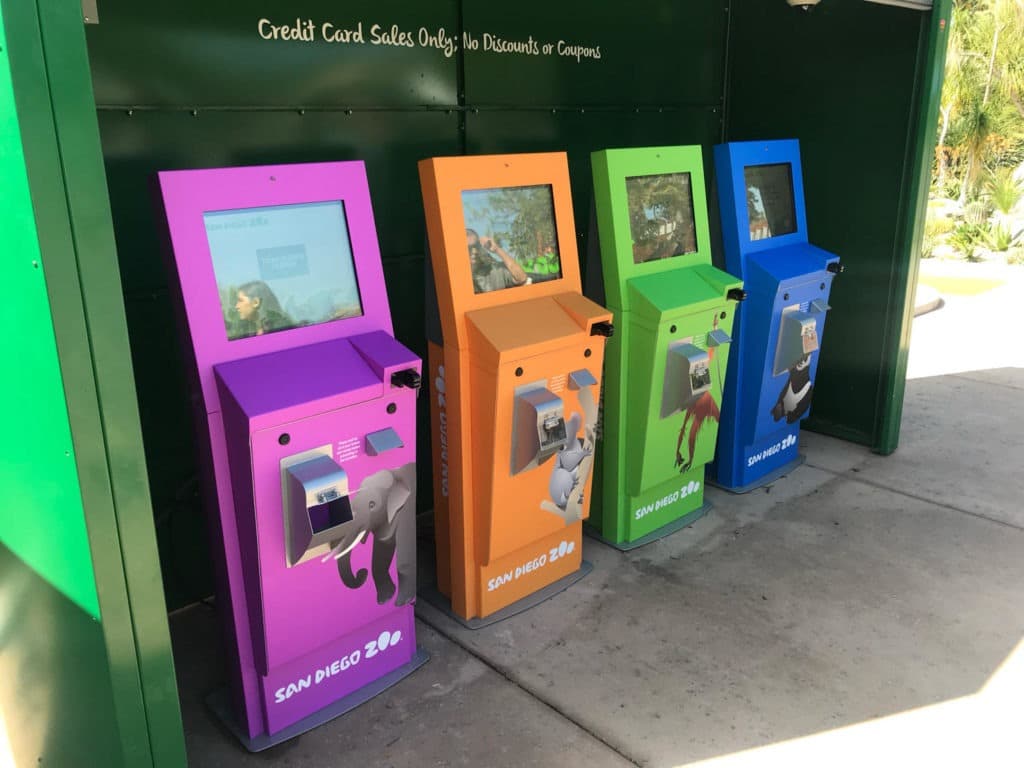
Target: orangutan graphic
[{"x": 699, "y": 410}]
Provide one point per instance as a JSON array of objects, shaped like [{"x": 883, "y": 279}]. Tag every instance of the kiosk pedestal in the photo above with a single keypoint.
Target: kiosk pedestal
[
  {"x": 310, "y": 421},
  {"x": 781, "y": 326},
  {"x": 666, "y": 367},
  {"x": 516, "y": 374}
]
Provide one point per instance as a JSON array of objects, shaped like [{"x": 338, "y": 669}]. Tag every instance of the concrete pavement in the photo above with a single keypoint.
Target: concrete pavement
[{"x": 863, "y": 610}]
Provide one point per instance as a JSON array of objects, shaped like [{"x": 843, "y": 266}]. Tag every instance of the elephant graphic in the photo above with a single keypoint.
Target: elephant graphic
[{"x": 384, "y": 505}]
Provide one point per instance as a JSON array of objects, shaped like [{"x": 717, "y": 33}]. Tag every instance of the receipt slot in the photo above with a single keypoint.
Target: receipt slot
[
  {"x": 515, "y": 359},
  {"x": 667, "y": 363},
  {"x": 307, "y": 428},
  {"x": 780, "y": 327}
]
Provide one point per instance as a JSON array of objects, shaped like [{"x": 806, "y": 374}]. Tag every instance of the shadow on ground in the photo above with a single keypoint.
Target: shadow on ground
[{"x": 856, "y": 588}]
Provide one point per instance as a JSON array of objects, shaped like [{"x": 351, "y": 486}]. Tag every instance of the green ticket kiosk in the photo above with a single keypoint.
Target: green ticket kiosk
[{"x": 667, "y": 365}]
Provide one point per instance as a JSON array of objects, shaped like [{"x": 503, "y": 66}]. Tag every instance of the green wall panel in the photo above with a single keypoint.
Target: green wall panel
[
  {"x": 195, "y": 86},
  {"x": 198, "y": 88},
  {"x": 391, "y": 143},
  {"x": 653, "y": 52},
  {"x": 63, "y": 160},
  {"x": 844, "y": 84},
  {"x": 199, "y": 53},
  {"x": 919, "y": 163},
  {"x": 56, "y": 698},
  {"x": 580, "y": 132},
  {"x": 41, "y": 515}
]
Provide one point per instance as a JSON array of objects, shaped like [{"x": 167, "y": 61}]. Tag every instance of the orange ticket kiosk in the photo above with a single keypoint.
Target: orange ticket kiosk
[{"x": 515, "y": 381}]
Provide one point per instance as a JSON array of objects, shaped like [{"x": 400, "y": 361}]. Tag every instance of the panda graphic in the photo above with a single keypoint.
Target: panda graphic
[{"x": 795, "y": 398}]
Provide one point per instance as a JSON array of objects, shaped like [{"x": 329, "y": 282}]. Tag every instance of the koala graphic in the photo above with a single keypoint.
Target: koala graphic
[
  {"x": 573, "y": 464},
  {"x": 565, "y": 474}
]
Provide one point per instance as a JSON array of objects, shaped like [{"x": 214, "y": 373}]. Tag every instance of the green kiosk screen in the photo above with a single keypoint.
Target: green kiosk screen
[{"x": 661, "y": 219}]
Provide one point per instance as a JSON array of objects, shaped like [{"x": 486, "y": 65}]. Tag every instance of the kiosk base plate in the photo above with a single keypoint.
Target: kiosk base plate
[
  {"x": 430, "y": 594},
  {"x": 660, "y": 533},
  {"x": 771, "y": 477},
  {"x": 219, "y": 703}
]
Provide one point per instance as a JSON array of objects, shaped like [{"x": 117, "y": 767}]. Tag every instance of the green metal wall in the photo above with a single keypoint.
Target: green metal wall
[
  {"x": 199, "y": 87},
  {"x": 858, "y": 83},
  {"x": 40, "y": 465},
  {"x": 86, "y": 641},
  {"x": 49, "y": 614}
]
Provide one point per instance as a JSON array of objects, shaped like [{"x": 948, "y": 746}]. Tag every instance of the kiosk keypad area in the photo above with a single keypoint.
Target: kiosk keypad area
[
  {"x": 308, "y": 419},
  {"x": 667, "y": 364},
  {"x": 781, "y": 325},
  {"x": 516, "y": 375}
]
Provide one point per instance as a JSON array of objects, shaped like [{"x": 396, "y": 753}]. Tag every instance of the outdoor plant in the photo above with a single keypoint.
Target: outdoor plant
[
  {"x": 976, "y": 213},
  {"x": 1002, "y": 238},
  {"x": 936, "y": 228},
  {"x": 967, "y": 238},
  {"x": 981, "y": 129},
  {"x": 1004, "y": 191}
]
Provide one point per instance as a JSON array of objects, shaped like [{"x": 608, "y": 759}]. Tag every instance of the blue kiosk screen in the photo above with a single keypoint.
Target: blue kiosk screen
[{"x": 770, "y": 207}]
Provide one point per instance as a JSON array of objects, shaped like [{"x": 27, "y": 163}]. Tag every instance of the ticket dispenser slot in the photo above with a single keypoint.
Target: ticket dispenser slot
[
  {"x": 538, "y": 427},
  {"x": 718, "y": 338},
  {"x": 582, "y": 378},
  {"x": 687, "y": 376},
  {"x": 382, "y": 441},
  {"x": 798, "y": 337},
  {"x": 317, "y": 504}
]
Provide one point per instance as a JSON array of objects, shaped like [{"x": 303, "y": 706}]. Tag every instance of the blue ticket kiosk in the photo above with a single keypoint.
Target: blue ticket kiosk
[{"x": 779, "y": 328}]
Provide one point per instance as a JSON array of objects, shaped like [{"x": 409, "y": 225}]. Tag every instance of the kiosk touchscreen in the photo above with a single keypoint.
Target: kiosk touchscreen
[
  {"x": 780, "y": 327},
  {"x": 307, "y": 423},
  {"x": 515, "y": 369},
  {"x": 667, "y": 363}
]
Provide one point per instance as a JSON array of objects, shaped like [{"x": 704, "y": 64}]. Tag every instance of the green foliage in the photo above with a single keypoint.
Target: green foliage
[
  {"x": 977, "y": 212},
  {"x": 1015, "y": 255},
  {"x": 935, "y": 230},
  {"x": 968, "y": 238},
  {"x": 936, "y": 226},
  {"x": 1003, "y": 190},
  {"x": 1001, "y": 237},
  {"x": 982, "y": 108}
]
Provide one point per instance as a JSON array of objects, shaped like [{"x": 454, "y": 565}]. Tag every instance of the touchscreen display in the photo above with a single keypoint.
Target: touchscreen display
[
  {"x": 770, "y": 208},
  {"x": 511, "y": 238},
  {"x": 661, "y": 218},
  {"x": 282, "y": 266}
]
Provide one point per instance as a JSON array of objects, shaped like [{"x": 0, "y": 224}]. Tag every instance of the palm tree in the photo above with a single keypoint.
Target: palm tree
[{"x": 983, "y": 97}]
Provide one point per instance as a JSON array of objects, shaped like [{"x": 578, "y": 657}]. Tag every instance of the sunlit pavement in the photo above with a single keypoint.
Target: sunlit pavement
[
  {"x": 981, "y": 325},
  {"x": 979, "y": 730},
  {"x": 863, "y": 611}
]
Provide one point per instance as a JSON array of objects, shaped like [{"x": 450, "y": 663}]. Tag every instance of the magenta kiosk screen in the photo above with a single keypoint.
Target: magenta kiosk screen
[
  {"x": 308, "y": 415},
  {"x": 282, "y": 266}
]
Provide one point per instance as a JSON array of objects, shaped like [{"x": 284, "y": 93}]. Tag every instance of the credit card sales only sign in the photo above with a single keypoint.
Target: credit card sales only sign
[{"x": 370, "y": 33}]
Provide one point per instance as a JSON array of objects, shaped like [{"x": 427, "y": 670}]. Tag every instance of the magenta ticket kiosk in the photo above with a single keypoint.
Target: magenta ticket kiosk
[{"x": 308, "y": 420}]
